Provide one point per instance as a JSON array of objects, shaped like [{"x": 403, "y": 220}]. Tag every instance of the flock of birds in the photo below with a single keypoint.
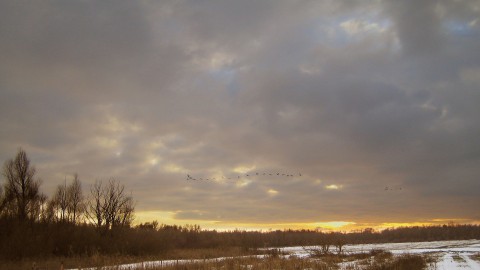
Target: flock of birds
[
  {"x": 238, "y": 177},
  {"x": 393, "y": 189}
]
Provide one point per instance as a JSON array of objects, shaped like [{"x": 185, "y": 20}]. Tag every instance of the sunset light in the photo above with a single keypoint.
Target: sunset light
[{"x": 137, "y": 128}]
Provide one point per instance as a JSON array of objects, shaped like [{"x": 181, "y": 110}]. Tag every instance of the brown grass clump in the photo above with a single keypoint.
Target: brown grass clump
[
  {"x": 475, "y": 257},
  {"x": 403, "y": 262}
]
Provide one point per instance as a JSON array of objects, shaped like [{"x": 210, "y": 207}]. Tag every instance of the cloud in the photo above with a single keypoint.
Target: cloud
[
  {"x": 360, "y": 95},
  {"x": 333, "y": 187}
]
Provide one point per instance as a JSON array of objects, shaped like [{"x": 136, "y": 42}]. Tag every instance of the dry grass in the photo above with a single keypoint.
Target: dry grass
[
  {"x": 254, "y": 264},
  {"x": 475, "y": 257},
  {"x": 71, "y": 262},
  {"x": 404, "y": 262},
  {"x": 273, "y": 259},
  {"x": 102, "y": 260},
  {"x": 458, "y": 259}
]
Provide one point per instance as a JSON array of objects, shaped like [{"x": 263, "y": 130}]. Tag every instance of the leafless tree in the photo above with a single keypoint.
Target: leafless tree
[
  {"x": 127, "y": 210},
  {"x": 60, "y": 201},
  {"x": 50, "y": 213},
  {"x": 339, "y": 241},
  {"x": 3, "y": 201},
  {"x": 43, "y": 207},
  {"x": 75, "y": 198},
  {"x": 67, "y": 203},
  {"x": 94, "y": 209},
  {"x": 21, "y": 188},
  {"x": 38, "y": 209},
  {"x": 117, "y": 207},
  {"x": 109, "y": 206}
]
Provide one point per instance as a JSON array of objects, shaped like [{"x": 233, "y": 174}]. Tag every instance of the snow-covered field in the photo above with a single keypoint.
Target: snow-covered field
[{"x": 450, "y": 255}]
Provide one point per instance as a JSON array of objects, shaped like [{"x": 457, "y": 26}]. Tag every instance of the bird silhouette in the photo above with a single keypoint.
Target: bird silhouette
[{"x": 238, "y": 177}]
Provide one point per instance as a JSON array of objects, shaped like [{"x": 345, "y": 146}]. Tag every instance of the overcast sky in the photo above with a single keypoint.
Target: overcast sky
[{"x": 372, "y": 106}]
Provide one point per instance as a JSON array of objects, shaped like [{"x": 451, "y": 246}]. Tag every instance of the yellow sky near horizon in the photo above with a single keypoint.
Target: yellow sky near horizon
[{"x": 335, "y": 226}]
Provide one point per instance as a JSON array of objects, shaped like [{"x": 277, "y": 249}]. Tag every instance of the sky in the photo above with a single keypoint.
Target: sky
[{"x": 368, "y": 111}]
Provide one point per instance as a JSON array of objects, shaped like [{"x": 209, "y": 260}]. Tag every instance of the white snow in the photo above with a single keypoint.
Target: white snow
[{"x": 451, "y": 254}]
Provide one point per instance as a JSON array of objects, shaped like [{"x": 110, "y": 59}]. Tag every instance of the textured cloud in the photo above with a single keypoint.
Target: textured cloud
[{"x": 374, "y": 103}]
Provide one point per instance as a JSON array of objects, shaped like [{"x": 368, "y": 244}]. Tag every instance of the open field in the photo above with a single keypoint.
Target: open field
[
  {"x": 442, "y": 255},
  {"x": 448, "y": 254}
]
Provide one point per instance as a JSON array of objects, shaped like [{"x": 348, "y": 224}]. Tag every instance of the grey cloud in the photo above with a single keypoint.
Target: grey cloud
[
  {"x": 74, "y": 33},
  {"x": 147, "y": 92},
  {"x": 418, "y": 26}
]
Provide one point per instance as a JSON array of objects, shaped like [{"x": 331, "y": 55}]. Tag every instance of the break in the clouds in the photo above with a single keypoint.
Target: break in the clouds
[{"x": 374, "y": 103}]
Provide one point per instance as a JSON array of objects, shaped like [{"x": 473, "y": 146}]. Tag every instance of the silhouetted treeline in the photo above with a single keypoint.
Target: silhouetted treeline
[
  {"x": 68, "y": 223},
  {"x": 67, "y": 239},
  {"x": 168, "y": 237},
  {"x": 74, "y": 224},
  {"x": 64, "y": 239}
]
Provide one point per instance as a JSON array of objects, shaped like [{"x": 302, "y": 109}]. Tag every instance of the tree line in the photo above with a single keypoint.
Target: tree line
[
  {"x": 71, "y": 223},
  {"x": 107, "y": 206},
  {"x": 26, "y": 211}
]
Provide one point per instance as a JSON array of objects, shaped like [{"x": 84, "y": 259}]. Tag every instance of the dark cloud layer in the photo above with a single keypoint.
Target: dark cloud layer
[{"x": 357, "y": 96}]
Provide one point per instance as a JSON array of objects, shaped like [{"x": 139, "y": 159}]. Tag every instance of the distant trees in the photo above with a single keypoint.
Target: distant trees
[
  {"x": 118, "y": 206},
  {"x": 22, "y": 196},
  {"x": 76, "y": 204},
  {"x": 109, "y": 206},
  {"x": 66, "y": 223},
  {"x": 67, "y": 204},
  {"x": 94, "y": 209},
  {"x": 59, "y": 202}
]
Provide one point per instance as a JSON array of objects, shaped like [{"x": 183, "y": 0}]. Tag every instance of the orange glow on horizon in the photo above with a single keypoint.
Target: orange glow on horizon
[{"x": 168, "y": 218}]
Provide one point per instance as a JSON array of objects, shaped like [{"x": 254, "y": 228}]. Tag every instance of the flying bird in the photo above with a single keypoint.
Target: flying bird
[{"x": 189, "y": 177}]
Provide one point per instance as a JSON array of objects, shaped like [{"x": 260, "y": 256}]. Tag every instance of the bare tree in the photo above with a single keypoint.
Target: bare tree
[
  {"x": 94, "y": 209},
  {"x": 126, "y": 213},
  {"x": 38, "y": 208},
  {"x": 109, "y": 206},
  {"x": 43, "y": 208},
  {"x": 21, "y": 188},
  {"x": 60, "y": 201},
  {"x": 118, "y": 207},
  {"x": 339, "y": 241},
  {"x": 3, "y": 201},
  {"x": 50, "y": 213},
  {"x": 75, "y": 198}
]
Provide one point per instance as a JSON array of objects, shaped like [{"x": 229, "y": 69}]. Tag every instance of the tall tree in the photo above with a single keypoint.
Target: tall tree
[
  {"x": 109, "y": 206},
  {"x": 60, "y": 201},
  {"x": 118, "y": 206},
  {"x": 21, "y": 189},
  {"x": 75, "y": 198},
  {"x": 95, "y": 207}
]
